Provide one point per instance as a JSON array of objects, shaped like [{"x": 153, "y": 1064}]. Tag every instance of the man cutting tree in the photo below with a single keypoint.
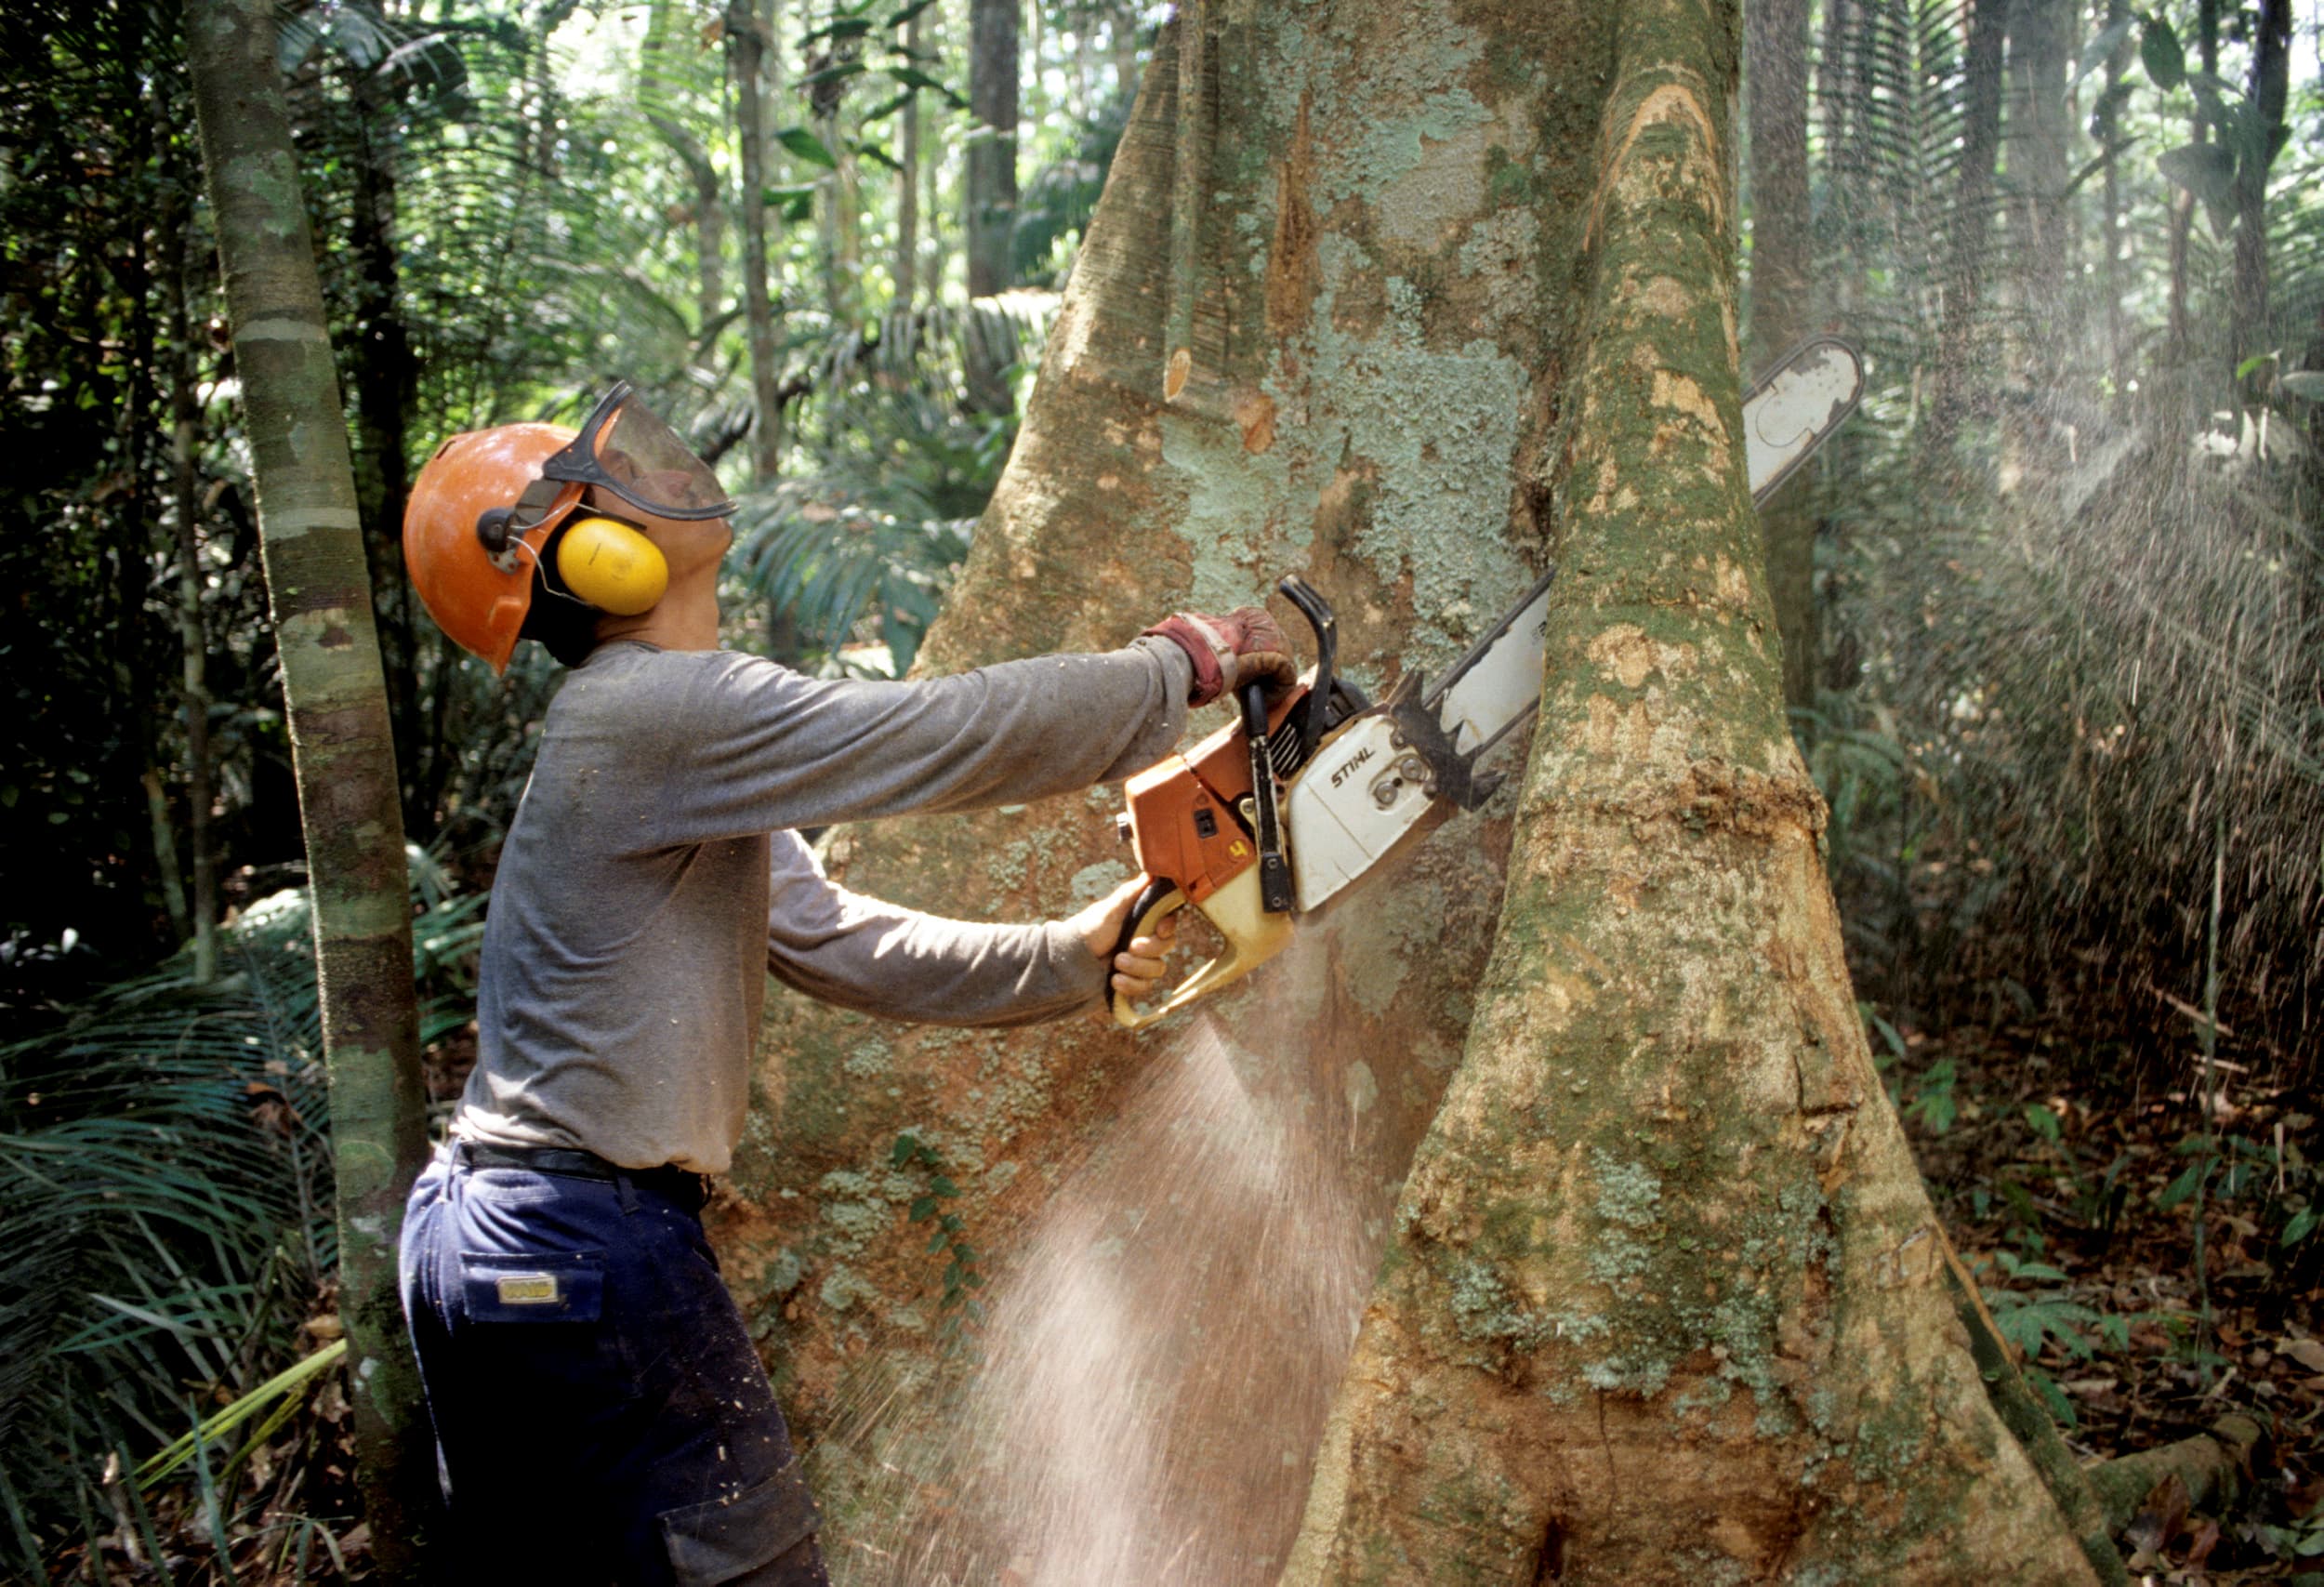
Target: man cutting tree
[{"x": 600, "y": 1410}]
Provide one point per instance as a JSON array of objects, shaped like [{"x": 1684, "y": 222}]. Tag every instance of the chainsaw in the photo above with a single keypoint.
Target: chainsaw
[{"x": 1272, "y": 817}]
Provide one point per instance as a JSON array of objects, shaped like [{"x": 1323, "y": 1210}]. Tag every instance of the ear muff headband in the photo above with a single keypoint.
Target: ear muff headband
[{"x": 611, "y": 566}]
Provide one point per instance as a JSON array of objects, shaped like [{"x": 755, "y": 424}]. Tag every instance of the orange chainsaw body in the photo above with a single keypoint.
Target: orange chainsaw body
[{"x": 1183, "y": 817}]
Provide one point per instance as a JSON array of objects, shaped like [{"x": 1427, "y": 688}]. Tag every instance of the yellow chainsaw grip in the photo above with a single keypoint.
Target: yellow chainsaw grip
[{"x": 1253, "y": 936}]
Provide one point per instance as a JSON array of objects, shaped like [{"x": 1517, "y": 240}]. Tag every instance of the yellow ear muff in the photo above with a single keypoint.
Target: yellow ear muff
[{"x": 611, "y": 566}]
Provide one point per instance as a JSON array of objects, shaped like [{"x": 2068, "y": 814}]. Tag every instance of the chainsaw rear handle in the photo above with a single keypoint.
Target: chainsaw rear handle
[{"x": 1253, "y": 934}]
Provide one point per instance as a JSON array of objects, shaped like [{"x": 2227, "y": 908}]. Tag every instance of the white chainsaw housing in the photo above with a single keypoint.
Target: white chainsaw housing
[{"x": 1360, "y": 795}]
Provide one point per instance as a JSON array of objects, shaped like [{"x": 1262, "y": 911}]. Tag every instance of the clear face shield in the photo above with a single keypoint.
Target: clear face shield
[{"x": 625, "y": 447}]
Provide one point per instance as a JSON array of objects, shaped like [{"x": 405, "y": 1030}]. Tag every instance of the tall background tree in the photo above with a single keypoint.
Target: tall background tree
[{"x": 320, "y": 594}]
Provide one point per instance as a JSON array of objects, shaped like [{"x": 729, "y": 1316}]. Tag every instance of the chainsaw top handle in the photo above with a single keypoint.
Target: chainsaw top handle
[{"x": 1319, "y": 615}]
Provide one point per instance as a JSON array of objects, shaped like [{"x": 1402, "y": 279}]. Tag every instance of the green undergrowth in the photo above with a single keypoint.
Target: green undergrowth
[{"x": 165, "y": 1178}]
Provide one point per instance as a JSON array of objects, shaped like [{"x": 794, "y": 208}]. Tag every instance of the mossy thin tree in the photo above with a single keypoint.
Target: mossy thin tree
[{"x": 311, "y": 541}]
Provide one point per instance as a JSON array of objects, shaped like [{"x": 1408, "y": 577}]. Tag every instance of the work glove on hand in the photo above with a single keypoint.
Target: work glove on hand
[{"x": 1229, "y": 652}]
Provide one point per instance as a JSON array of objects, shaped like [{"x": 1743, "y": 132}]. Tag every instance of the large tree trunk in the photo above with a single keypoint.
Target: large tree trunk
[
  {"x": 1390, "y": 374},
  {"x": 1782, "y": 308},
  {"x": 312, "y": 543},
  {"x": 1665, "y": 1299}
]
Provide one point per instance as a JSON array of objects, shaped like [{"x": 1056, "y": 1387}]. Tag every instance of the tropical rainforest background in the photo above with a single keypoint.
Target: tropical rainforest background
[{"x": 2052, "y": 605}]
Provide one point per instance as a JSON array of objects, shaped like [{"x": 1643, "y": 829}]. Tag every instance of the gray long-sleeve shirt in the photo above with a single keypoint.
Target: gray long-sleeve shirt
[{"x": 650, "y": 880}]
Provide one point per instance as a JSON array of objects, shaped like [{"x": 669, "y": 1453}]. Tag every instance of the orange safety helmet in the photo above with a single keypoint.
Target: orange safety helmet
[
  {"x": 478, "y": 595},
  {"x": 482, "y": 511}
]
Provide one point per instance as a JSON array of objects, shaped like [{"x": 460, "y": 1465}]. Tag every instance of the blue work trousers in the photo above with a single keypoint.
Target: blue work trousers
[{"x": 600, "y": 1414}]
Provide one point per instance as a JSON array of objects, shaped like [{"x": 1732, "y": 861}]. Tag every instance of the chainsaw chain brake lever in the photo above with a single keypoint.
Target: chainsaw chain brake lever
[{"x": 1320, "y": 617}]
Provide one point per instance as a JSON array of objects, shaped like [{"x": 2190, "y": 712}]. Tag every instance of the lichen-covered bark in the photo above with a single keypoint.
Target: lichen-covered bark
[
  {"x": 310, "y": 539},
  {"x": 1375, "y": 343},
  {"x": 1665, "y": 1299}
]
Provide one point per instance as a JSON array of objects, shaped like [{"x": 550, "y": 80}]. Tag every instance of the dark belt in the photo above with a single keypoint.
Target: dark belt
[{"x": 681, "y": 1186}]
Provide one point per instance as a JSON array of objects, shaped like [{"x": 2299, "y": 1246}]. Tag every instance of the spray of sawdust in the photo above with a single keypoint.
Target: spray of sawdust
[{"x": 1163, "y": 1351}]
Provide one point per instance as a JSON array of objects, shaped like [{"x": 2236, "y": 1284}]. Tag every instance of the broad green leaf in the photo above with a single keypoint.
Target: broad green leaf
[
  {"x": 2044, "y": 1122},
  {"x": 2207, "y": 170},
  {"x": 2162, "y": 55},
  {"x": 806, "y": 146},
  {"x": 923, "y": 1209},
  {"x": 2305, "y": 384},
  {"x": 2183, "y": 1186},
  {"x": 2095, "y": 55},
  {"x": 846, "y": 28},
  {"x": 913, "y": 77},
  {"x": 901, "y": 1155},
  {"x": 2303, "y": 1223},
  {"x": 837, "y": 73},
  {"x": 2061, "y": 1408},
  {"x": 797, "y": 202},
  {"x": 879, "y": 156}
]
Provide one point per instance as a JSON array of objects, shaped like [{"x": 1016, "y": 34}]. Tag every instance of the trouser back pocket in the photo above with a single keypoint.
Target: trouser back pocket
[{"x": 538, "y": 1287}]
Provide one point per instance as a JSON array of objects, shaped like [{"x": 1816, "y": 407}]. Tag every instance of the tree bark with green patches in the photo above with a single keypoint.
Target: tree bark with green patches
[
  {"x": 1459, "y": 303},
  {"x": 311, "y": 542},
  {"x": 1666, "y": 1299}
]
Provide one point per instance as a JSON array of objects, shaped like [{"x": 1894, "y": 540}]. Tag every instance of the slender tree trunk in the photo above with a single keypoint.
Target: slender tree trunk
[
  {"x": 1123, "y": 25},
  {"x": 991, "y": 206},
  {"x": 192, "y": 644},
  {"x": 907, "y": 184},
  {"x": 385, "y": 377},
  {"x": 311, "y": 542},
  {"x": 135, "y": 513},
  {"x": 932, "y": 250},
  {"x": 747, "y": 43},
  {"x": 1396, "y": 389},
  {"x": 667, "y": 57},
  {"x": 843, "y": 230},
  {"x": 1958, "y": 330},
  {"x": 2269, "y": 89},
  {"x": 2039, "y": 149},
  {"x": 1782, "y": 303},
  {"x": 2180, "y": 333},
  {"x": 2041, "y": 233},
  {"x": 710, "y": 217},
  {"x": 2108, "y": 129}
]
